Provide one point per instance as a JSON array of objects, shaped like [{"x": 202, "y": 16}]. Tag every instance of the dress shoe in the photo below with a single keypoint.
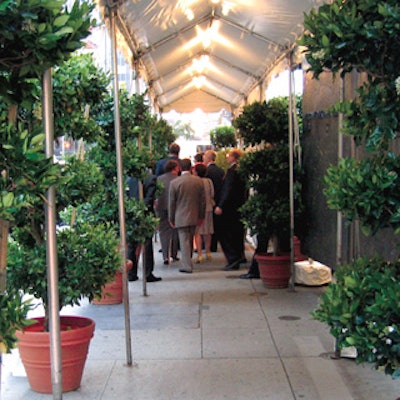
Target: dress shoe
[
  {"x": 166, "y": 262},
  {"x": 185, "y": 271},
  {"x": 175, "y": 258},
  {"x": 132, "y": 278},
  {"x": 249, "y": 275},
  {"x": 153, "y": 278},
  {"x": 234, "y": 266}
]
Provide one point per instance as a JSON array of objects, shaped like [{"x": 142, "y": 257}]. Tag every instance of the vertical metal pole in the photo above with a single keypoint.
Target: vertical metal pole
[
  {"x": 140, "y": 144},
  {"x": 291, "y": 177},
  {"x": 121, "y": 186},
  {"x": 339, "y": 219},
  {"x": 51, "y": 246}
]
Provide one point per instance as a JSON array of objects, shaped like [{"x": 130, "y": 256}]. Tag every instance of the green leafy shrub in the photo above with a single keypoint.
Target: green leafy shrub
[{"x": 361, "y": 309}]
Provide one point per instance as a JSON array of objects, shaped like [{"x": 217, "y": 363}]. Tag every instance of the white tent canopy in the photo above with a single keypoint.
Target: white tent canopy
[{"x": 208, "y": 54}]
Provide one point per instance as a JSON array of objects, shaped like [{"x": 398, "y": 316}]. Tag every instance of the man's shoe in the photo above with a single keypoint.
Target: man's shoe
[
  {"x": 175, "y": 258},
  {"x": 249, "y": 275},
  {"x": 132, "y": 278},
  {"x": 166, "y": 262},
  {"x": 185, "y": 271},
  {"x": 234, "y": 266},
  {"x": 153, "y": 278}
]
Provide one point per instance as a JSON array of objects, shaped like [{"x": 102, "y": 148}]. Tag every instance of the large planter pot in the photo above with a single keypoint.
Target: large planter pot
[
  {"x": 274, "y": 270},
  {"x": 112, "y": 292},
  {"x": 34, "y": 349},
  {"x": 298, "y": 256}
]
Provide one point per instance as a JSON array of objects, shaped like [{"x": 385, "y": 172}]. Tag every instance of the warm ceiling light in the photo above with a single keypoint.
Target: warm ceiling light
[
  {"x": 200, "y": 64},
  {"x": 189, "y": 14},
  {"x": 226, "y": 7},
  {"x": 215, "y": 1},
  {"x": 199, "y": 81},
  {"x": 209, "y": 34}
]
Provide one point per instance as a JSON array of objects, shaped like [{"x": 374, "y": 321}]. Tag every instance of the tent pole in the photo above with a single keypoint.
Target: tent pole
[
  {"x": 339, "y": 219},
  {"x": 51, "y": 246},
  {"x": 291, "y": 177},
  {"x": 121, "y": 185}
]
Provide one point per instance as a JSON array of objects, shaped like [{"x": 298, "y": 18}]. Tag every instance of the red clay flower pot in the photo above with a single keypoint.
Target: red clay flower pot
[
  {"x": 274, "y": 270},
  {"x": 34, "y": 349}
]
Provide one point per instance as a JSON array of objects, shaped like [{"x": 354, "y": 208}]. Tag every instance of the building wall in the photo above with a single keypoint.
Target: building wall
[{"x": 320, "y": 149}]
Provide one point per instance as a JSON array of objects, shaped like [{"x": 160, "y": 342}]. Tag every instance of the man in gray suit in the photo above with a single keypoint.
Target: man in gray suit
[
  {"x": 168, "y": 235},
  {"x": 186, "y": 210}
]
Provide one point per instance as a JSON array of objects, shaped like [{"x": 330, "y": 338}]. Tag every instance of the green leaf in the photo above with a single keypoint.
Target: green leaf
[{"x": 61, "y": 20}]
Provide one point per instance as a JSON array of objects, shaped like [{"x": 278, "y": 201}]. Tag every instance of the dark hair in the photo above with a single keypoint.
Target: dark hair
[
  {"x": 198, "y": 157},
  {"x": 170, "y": 165},
  {"x": 186, "y": 164},
  {"x": 174, "y": 148},
  {"x": 201, "y": 170}
]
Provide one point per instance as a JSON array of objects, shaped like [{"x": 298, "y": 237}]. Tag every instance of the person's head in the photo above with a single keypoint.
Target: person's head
[
  {"x": 172, "y": 166},
  {"x": 200, "y": 170},
  {"x": 198, "y": 158},
  {"x": 210, "y": 156},
  {"x": 186, "y": 164},
  {"x": 174, "y": 149},
  {"x": 233, "y": 156}
]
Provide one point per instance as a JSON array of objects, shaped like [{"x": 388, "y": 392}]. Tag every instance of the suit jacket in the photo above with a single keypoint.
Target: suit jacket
[
  {"x": 216, "y": 174},
  {"x": 149, "y": 190},
  {"x": 161, "y": 163},
  {"x": 186, "y": 205},
  {"x": 233, "y": 192},
  {"x": 162, "y": 200}
]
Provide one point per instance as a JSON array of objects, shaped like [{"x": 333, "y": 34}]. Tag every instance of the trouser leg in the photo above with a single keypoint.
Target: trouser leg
[{"x": 186, "y": 235}]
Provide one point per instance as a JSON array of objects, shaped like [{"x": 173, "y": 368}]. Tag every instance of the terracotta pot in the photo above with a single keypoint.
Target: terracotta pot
[
  {"x": 34, "y": 350},
  {"x": 274, "y": 270},
  {"x": 113, "y": 291},
  {"x": 298, "y": 256}
]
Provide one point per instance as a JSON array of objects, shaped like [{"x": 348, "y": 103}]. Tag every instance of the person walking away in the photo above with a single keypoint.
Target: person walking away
[
  {"x": 186, "y": 210},
  {"x": 173, "y": 154},
  {"x": 149, "y": 192},
  {"x": 232, "y": 197},
  {"x": 205, "y": 230},
  {"x": 168, "y": 235},
  {"x": 216, "y": 174}
]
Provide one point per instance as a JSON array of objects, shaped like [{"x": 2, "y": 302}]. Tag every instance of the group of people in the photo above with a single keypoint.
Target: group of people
[{"x": 199, "y": 205}]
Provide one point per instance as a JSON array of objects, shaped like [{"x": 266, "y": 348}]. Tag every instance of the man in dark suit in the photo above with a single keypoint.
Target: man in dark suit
[
  {"x": 149, "y": 192},
  {"x": 233, "y": 195},
  {"x": 216, "y": 174},
  {"x": 173, "y": 150},
  {"x": 186, "y": 210},
  {"x": 168, "y": 235}
]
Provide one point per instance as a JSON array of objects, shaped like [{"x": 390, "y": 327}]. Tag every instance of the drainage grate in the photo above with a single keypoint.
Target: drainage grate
[{"x": 289, "y": 318}]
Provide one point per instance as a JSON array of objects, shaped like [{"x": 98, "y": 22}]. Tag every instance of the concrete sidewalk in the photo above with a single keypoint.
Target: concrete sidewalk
[{"x": 212, "y": 336}]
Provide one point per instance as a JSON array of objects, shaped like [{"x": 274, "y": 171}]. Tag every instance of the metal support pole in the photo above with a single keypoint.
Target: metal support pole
[
  {"x": 291, "y": 177},
  {"x": 121, "y": 186},
  {"x": 51, "y": 246},
  {"x": 339, "y": 219}
]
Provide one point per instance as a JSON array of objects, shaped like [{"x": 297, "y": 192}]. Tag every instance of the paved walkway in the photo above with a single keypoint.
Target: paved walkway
[{"x": 212, "y": 336}]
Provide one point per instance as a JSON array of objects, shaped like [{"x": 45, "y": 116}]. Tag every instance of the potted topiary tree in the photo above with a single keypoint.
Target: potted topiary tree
[
  {"x": 136, "y": 125},
  {"x": 88, "y": 257},
  {"x": 265, "y": 167},
  {"x": 36, "y": 37},
  {"x": 361, "y": 308},
  {"x": 223, "y": 137}
]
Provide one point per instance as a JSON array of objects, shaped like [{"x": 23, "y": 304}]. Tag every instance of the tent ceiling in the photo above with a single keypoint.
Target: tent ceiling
[{"x": 242, "y": 41}]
